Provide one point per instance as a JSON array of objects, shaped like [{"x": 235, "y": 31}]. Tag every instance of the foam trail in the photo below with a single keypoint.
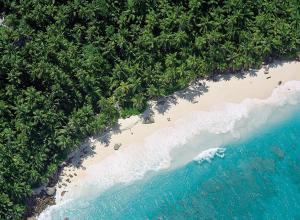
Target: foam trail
[
  {"x": 209, "y": 154},
  {"x": 159, "y": 150}
]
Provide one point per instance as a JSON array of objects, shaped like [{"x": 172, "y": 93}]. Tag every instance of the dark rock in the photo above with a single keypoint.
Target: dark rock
[
  {"x": 148, "y": 120},
  {"x": 50, "y": 191},
  {"x": 169, "y": 119},
  {"x": 269, "y": 77},
  {"x": 279, "y": 83},
  {"x": 63, "y": 193},
  {"x": 43, "y": 202},
  {"x": 38, "y": 191},
  {"x": 117, "y": 146},
  {"x": 266, "y": 71}
]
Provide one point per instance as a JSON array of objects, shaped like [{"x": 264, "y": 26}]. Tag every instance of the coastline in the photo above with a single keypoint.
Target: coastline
[{"x": 202, "y": 96}]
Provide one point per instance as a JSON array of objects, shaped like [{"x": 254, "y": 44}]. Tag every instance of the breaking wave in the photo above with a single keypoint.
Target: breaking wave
[
  {"x": 209, "y": 154},
  {"x": 192, "y": 137}
]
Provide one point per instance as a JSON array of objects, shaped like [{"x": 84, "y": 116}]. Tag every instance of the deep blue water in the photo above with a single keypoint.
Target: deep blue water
[{"x": 259, "y": 178}]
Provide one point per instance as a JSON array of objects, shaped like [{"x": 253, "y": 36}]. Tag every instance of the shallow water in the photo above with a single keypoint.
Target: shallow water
[{"x": 256, "y": 176}]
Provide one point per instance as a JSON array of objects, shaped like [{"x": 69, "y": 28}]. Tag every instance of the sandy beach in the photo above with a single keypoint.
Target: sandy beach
[{"x": 201, "y": 96}]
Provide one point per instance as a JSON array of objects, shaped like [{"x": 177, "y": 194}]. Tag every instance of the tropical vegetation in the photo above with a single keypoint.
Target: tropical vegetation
[{"x": 70, "y": 69}]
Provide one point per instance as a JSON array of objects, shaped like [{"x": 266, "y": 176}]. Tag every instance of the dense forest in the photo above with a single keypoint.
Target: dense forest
[{"x": 69, "y": 69}]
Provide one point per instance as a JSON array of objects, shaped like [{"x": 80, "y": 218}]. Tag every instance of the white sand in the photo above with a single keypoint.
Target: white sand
[{"x": 253, "y": 84}]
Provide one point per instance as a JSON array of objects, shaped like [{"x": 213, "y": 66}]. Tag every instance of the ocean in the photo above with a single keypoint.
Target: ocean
[{"x": 249, "y": 170}]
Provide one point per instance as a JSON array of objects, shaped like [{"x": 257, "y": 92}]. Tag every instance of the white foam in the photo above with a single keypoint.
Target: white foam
[
  {"x": 209, "y": 154},
  {"x": 159, "y": 149}
]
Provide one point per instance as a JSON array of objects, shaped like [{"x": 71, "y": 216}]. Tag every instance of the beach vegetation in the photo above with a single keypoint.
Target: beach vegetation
[{"x": 70, "y": 69}]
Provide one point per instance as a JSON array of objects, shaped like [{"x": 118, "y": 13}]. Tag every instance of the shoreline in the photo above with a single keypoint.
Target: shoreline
[{"x": 201, "y": 96}]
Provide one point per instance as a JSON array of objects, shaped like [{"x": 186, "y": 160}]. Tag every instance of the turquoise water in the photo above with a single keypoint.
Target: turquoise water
[
  {"x": 259, "y": 178},
  {"x": 255, "y": 176}
]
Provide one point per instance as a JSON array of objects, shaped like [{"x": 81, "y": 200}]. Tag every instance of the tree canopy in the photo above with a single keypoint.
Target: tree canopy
[{"x": 66, "y": 65}]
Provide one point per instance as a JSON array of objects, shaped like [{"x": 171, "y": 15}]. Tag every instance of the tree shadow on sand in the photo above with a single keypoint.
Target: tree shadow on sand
[
  {"x": 195, "y": 90},
  {"x": 87, "y": 148},
  {"x": 161, "y": 105},
  {"x": 198, "y": 88}
]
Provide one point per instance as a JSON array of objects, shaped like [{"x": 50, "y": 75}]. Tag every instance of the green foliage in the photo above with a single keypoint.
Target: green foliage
[
  {"x": 127, "y": 112},
  {"x": 66, "y": 65}
]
